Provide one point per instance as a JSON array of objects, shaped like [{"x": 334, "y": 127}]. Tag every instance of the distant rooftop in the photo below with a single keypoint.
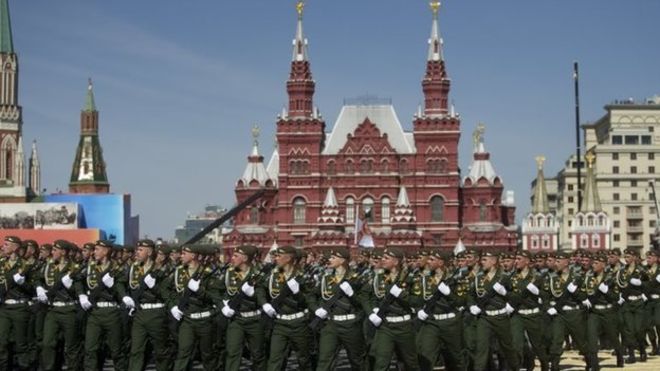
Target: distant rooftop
[{"x": 654, "y": 100}]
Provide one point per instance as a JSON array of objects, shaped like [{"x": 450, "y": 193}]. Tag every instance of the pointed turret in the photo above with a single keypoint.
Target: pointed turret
[
  {"x": 540, "y": 193},
  {"x": 403, "y": 213},
  {"x": 435, "y": 84},
  {"x": 34, "y": 170},
  {"x": 255, "y": 174},
  {"x": 19, "y": 167},
  {"x": 481, "y": 166},
  {"x": 330, "y": 211},
  {"x": 6, "y": 39},
  {"x": 300, "y": 85},
  {"x": 591, "y": 200},
  {"x": 89, "y": 170}
]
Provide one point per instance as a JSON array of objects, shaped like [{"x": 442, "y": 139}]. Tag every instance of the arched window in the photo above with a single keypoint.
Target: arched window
[
  {"x": 331, "y": 168},
  {"x": 584, "y": 241},
  {"x": 546, "y": 241},
  {"x": 254, "y": 215},
  {"x": 385, "y": 213},
  {"x": 535, "y": 242},
  {"x": 299, "y": 211},
  {"x": 385, "y": 165},
  {"x": 482, "y": 211},
  {"x": 437, "y": 209},
  {"x": 350, "y": 210},
  {"x": 403, "y": 166},
  {"x": 349, "y": 167},
  {"x": 595, "y": 241},
  {"x": 368, "y": 209}
]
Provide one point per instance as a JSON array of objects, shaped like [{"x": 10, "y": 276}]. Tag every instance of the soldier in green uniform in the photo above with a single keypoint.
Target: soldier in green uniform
[
  {"x": 652, "y": 289},
  {"x": 488, "y": 298},
  {"x": 147, "y": 296},
  {"x": 15, "y": 293},
  {"x": 387, "y": 300},
  {"x": 630, "y": 280},
  {"x": 287, "y": 296},
  {"x": 56, "y": 290},
  {"x": 340, "y": 285},
  {"x": 601, "y": 302},
  {"x": 564, "y": 308},
  {"x": 102, "y": 286},
  {"x": 527, "y": 298},
  {"x": 30, "y": 254},
  {"x": 243, "y": 299},
  {"x": 441, "y": 330},
  {"x": 197, "y": 294}
]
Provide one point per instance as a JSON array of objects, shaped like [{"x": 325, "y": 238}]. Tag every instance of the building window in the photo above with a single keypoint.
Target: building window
[
  {"x": 617, "y": 224},
  {"x": 615, "y": 156},
  {"x": 437, "y": 209},
  {"x": 570, "y": 223},
  {"x": 298, "y": 241},
  {"x": 632, "y": 139},
  {"x": 646, "y": 139},
  {"x": 633, "y": 156},
  {"x": 616, "y": 238},
  {"x": 254, "y": 215},
  {"x": 615, "y": 183},
  {"x": 615, "y": 196},
  {"x": 570, "y": 211},
  {"x": 651, "y": 223},
  {"x": 570, "y": 199},
  {"x": 350, "y": 210},
  {"x": 368, "y": 209},
  {"x": 570, "y": 187},
  {"x": 403, "y": 166},
  {"x": 633, "y": 183},
  {"x": 584, "y": 241},
  {"x": 633, "y": 170},
  {"x": 617, "y": 139},
  {"x": 349, "y": 167},
  {"x": 595, "y": 239},
  {"x": 651, "y": 169},
  {"x": 535, "y": 242},
  {"x": 616, "y": 210},
  {"x": 366, "y": 166},
  {"x": 651, "y": 156},
  {"x": 615, "y": 169},
  {"x": 385, "y": 212},
  {"x": 385, "y": 165},
  {"x": 331, "y": 168},
  {"x": 299, "y": 211},
  {"x": 633, "y": 196},
  {"x": 482, "y": 211}
]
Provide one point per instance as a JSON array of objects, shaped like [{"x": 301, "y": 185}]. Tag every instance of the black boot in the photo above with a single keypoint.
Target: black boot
[
  {"x": 595, "y": 366},
  {"x": 587, "y": 363},
  {"x": 642, "y": 354},
  {"x": 654, "y": 347},
  {"x": 619, "y": 359},
  {"x": 554, "y": 364},
  {"x": 545, "y": 366},
  {"x": 631, "y": 356}
]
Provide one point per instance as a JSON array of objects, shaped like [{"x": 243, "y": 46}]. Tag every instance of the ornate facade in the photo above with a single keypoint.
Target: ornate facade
[{"x": 318, "y": 183}]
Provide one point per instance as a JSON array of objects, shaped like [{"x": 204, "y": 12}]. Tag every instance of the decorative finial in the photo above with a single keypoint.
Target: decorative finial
[
  {"x": 435, "y": 7},
  {"x": 539, "y": 161},
  {"x": 255, "y": 133},
  {"x": 477, "y": 135},
  {"x": 300, "y": 7},
  {"x": 89, "y": 84},
  {"x": 590, "y": 157}
]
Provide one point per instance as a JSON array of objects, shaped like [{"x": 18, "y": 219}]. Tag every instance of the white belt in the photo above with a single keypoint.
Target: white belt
[
  {"x": 495, "y": 312},
  {"x": 601, "y": 307},
  {"x": 346, "y": 317},
  {"x": 63, "y": 303},
  {"x": 655, "y": 296},
  {"x": 290, "y": 317},
  {"x": 398, "y": 318},
  {"x": 568, "y": 308},
  {"x": 441, "y": 317},
  {"x": 251, "y": 314},
  {"x": 152, "y": 305},
  {"x": 634, "y": 298},
  {"x": 15, "y": 301},
  {"x": 200, "y": 315},
  {"x": 527, "y": 312},
  {"x": 106, "y": 304}
]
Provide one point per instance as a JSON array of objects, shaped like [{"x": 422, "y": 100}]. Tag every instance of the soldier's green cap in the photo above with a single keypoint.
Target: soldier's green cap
[
  {"x": 655, "y": 253},
  {"x": 88, "y": 246},
  {"x": 460, "y": 255},
  {"x": 563, "y": 255},
  {"x": 146, "y": 243},
  {"x": 524, "y": 253},
  {"x": 247, "y": 250},
  {"x": 489, "y": 253},
  {"x": 615, "y": 251},
  {"x": 507, "y": 255},
  {"x": 129, "y": 248},
  {"x": 13, "y": 239},
  {"x": 600, "y": 257},
  {"x": 377, "y": 253},
  {"x": 365, "y": 252},
  {"x": 341, "y": 252},
  {"x": 633, "y": 252},
  {"x": 412, "y": 255},
  {"x": 290, "y": 250},
  {"x": 104, "y": 243},
  {"x": 31, "y": 243},
  {"x": 46, "y": 247},
  {"x": 438, "y": 254},
  {"x": 394, "y": 252},
  {"x": 62, "y": 245},
  {"x": 163, "y": 248},
  {"x": 301, "y": 253},
  {"x": 472, "y": 252}
]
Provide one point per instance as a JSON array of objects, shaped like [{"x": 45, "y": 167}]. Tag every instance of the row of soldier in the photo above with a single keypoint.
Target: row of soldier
[{"x": 466, "y": 312}]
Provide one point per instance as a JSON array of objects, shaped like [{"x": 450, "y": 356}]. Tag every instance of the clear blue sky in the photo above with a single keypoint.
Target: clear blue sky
[{"x": 179, "y": 83}]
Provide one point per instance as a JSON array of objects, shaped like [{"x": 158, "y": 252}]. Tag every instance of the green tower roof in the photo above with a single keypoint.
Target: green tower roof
[
  {"x": 6, "y": 41},
  {"x": 90, "y": 105}
]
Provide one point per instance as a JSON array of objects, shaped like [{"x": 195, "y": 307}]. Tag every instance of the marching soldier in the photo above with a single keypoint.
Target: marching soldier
[
  {"x": 197, "y": 293},
  {"x": 601, "y": 302},
  {"x": 14, "y": 314},
  {"x": 242, "y": 302},
  {"x": 387, "y": 301},
  {"x": 340, "y": 307},
  {"x": 148, "y": 293},
  {"x": 652, "y": 289},
  {"x": 488, "y": 304},
  {"x": 102, "y": 286},
  {"x": 441, "y": 329},
  {"x": 288, "y": 306},
  {"x": 630, "y": 279},
  {"x": 56, "y": 290},
  {"x": 527, "y": 298}
]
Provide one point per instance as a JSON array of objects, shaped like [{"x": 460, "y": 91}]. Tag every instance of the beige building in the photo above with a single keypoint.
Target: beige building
[{"x": 626, "y": 143}]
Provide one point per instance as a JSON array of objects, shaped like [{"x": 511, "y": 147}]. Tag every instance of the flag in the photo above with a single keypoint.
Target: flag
[
  {"x": 459, "y": 247},
  {"x": 363, "y": 236}
]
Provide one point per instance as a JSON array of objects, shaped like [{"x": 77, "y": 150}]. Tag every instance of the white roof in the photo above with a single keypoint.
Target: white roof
[
  {"x": 330, "y": 199},
  {"x": 403, "y": 197},
  {"x": 273, "y": 168},
  {"x": 383, "y": 116},
  {"x": 482, "y": 168},
  {"x": 255, "y": 170}
]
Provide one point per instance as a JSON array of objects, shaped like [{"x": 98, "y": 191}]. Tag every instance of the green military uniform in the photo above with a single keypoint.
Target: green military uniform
[
  {"x": 15, "y": 293},
  {"x": 652, "y": 289},
  {"x": 630, "y": 279},
  {"x": 564, "y": 308},
  {"x": 343, "y": 324},
  {"x": 602, "y": 297},
  {"x": 61, "y": 318},
  {"x": 291, "y": 313},
  {"x": 492, "y": 316},
  {"x": 242, "y": 302},
  {"x": 197, "y": 308},
  {"x": 148, "y": 288},
  {"x": 529, "y": 318},
  {"x": 441, "y": 329},
  {"x": 394, "y": 329},
  {"x": 101, "y": 287}
]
